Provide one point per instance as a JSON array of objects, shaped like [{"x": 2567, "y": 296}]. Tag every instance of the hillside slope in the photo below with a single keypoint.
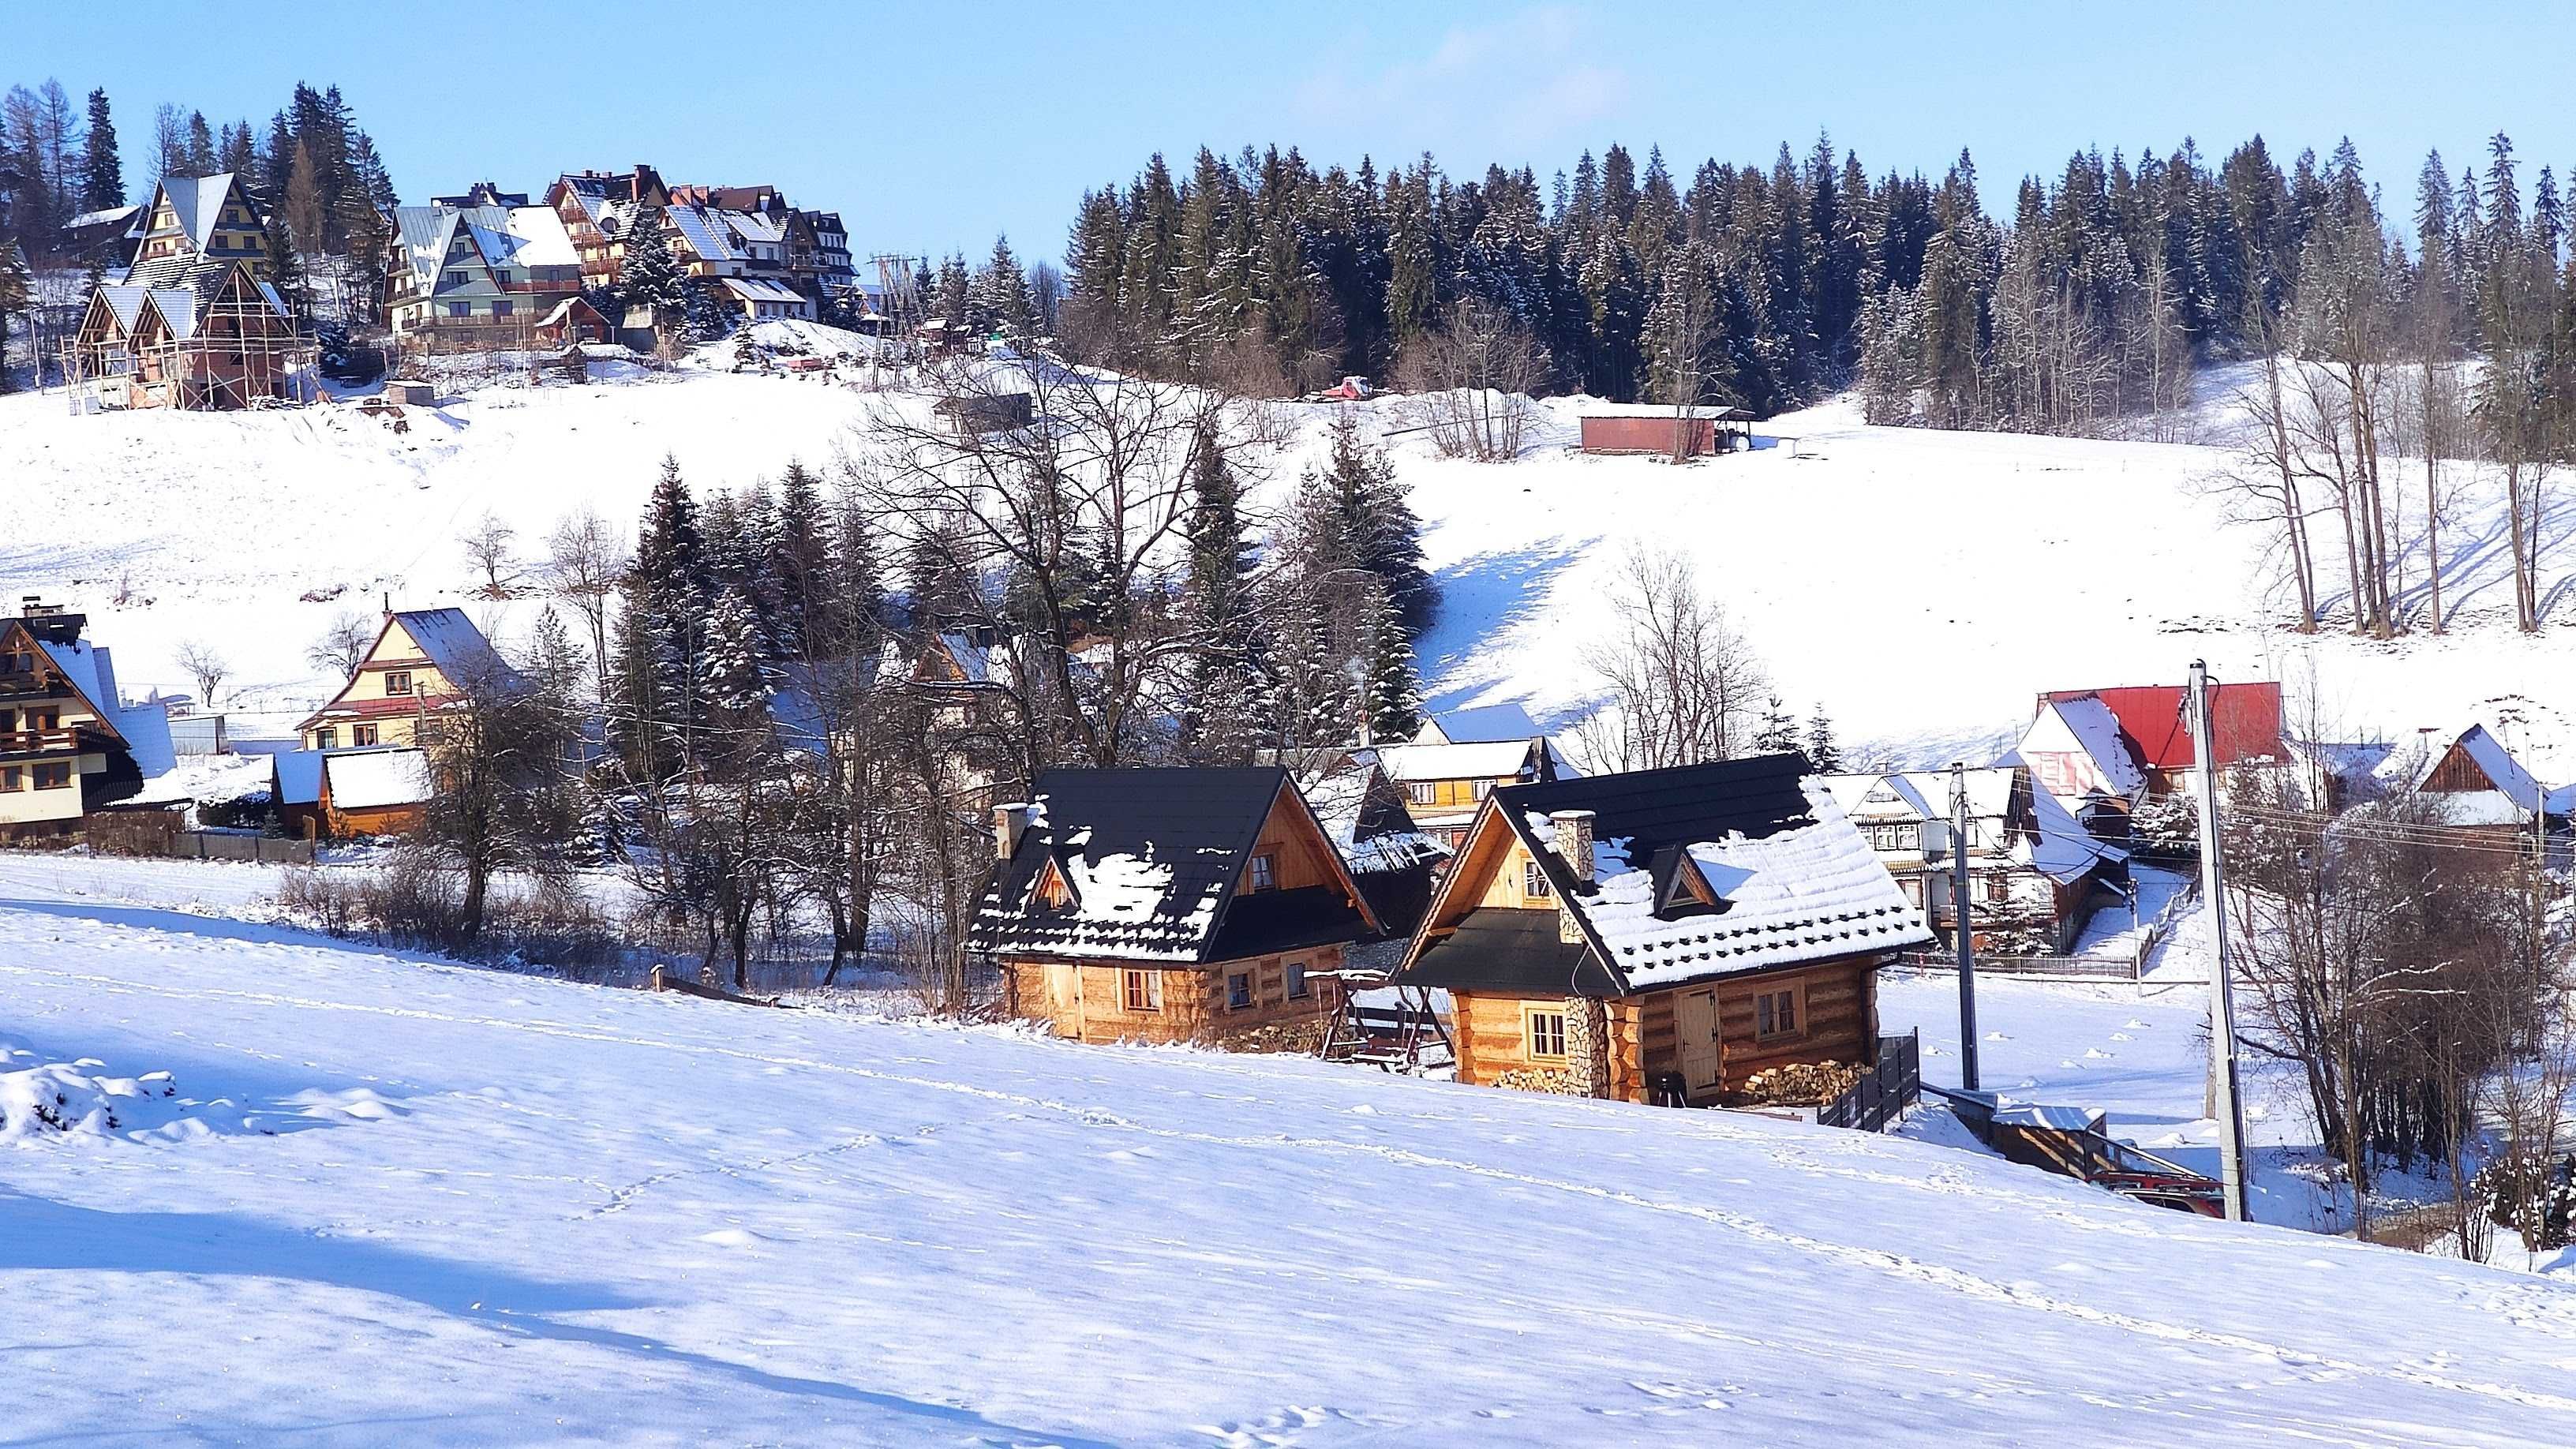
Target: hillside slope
[
  {"x": 396, "y": 1200},
  {"x": 1922, "y": 586}
]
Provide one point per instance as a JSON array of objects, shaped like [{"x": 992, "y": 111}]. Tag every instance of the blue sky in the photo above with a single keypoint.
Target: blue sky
[{"x": 932, "y": 128}]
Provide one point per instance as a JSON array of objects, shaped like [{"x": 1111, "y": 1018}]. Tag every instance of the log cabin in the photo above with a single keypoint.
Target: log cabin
[
  {"x": 1662, "y": 935},
  {"x": 422, "y": 660},
  {"x": 1445, "y": 785},
  {"x": 347, "y": 794},
  {"x": 2474, "y": 785},
  {"x": 1167, "y": 905}
]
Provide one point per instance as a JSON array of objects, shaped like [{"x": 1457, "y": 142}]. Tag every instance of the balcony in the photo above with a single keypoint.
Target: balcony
[{"x": 68, "y": 740}]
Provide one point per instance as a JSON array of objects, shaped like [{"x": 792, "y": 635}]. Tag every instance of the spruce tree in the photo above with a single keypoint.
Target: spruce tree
[
  {"x": 1822, "y": 752},
  {"x": 1394, "y": 696},
  {"x": 1778, "y": 733},
  {"x": 1216, "y": 606},
  {"x": 102, "y": 170},
  {"x": 201, "y": 145},
  {"x": 650, "y": 276}
]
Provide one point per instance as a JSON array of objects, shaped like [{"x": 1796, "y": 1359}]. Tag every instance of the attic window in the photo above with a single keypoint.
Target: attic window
[
  {"x": 1265, "y": 872},
  {"x": 1534, "y": 881},
  {"x": 1051, "y": 892},
  {"x": 397, "y": 683}
]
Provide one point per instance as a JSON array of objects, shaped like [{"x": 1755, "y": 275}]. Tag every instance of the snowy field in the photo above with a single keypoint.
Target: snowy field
[
  {"x": 384, "y": 1200},
  {"x": 1922, "y": 586}
]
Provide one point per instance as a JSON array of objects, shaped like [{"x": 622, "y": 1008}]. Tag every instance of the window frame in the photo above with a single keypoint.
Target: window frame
[
  {"x": 397, "y": 684},
  {"x": 1140, "y": 990},
  {"x": 1293, "y": 979},
  {"x": 1243, "y": 1000},
  {"x": 1535, "y": 885},
  {"x": 326, "y": 737},
  {"x": 1535, "y": 1038},
  {"x": 64, "y": 776},
  {"x": 13, "y": 778},
  {"x": 362, "y": 735},
  {"x": 1261, "y": 873},
  {"x": 1421, "y": 792},
  {"x": 1784, "y": 1008}
]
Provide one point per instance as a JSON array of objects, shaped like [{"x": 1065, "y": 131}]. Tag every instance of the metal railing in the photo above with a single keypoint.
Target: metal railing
[
  {"x": 1884, "y": 1091},
  {"x": 2087, "y": 968}
]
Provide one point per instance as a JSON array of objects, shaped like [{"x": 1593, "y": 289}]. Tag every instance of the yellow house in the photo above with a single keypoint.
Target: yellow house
[
  {"x": 1446, "y": 784},
  {"x": 422, "y": 660}
]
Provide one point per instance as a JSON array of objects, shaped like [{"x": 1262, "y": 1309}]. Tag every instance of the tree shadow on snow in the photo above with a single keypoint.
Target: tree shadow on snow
[
  {"x": 39, "y": 1233},
  {"x": 1480, "y": 598}
]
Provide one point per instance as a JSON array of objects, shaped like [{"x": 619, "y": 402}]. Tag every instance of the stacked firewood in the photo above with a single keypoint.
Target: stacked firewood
[
  {"x": 1539, "y": 1079},
  {"x": 1799, "y": 1084}
]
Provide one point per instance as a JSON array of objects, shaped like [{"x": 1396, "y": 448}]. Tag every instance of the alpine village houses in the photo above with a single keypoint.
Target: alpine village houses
[
  {"x": 1662, "y": 935},
  {"x": 1168, "y": 905},
  {"x": 193, "y": 322},
  {"x": 68, "y": 745},
  {"x": 364, "y": 768}
]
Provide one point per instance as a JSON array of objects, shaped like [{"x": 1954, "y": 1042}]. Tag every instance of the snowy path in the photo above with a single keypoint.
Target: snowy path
[{"x": 511, "y": 1210}]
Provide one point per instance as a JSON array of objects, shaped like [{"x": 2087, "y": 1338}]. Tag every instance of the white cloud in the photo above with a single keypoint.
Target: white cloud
[{"x": 1522, "y": 79}]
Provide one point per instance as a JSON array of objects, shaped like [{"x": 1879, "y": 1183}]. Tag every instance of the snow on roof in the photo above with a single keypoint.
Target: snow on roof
[
  {"x": 2091, "y": 727},
  {"x": 1491, "y": 760},
  {"x": 761, "y": 289},
  {"x": 2512, "y": 782},
  {"x": 2055, "y": 843},
  {"x": 196, "y": 201},
  {"x": 518, "y": 236},
  {"x": 102, "y": 217},
  {"x": 448, "y": 639},
  {"x": 298, "y": 775},
  {"x": 1482, "y": 724},
  {"x": 1809, "y": 892},
  {"x": 377, "y": 779},
  {"x": 702, "y": 234}
]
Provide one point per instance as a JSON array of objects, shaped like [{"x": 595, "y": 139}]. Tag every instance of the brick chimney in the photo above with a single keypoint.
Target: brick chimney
[
  {"x": 1574, "y": 847},
  {"x": 1010, "y": 822}
]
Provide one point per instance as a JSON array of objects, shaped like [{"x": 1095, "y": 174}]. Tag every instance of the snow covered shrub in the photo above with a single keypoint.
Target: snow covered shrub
[
  {"x": 2509, "y": 1198},
  {"x": 2167, "y": 827},
  {"x": 56, "y": 1097}
]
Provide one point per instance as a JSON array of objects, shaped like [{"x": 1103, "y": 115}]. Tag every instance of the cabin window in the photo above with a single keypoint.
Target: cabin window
[
  {"x": 460, "y": 309},
  {"x": 1546, "y": 1031},
  {"x": 17, "y": 663},
  {"x": 1534, "y": 881},
  {"x": 1053, "y": 894},
  {"x": 44, "y": 719},
  {"x": 362, "y": 734},
  {"x": 325, "y": 738},
  {"x": 1238, "y": 990},
  {"x": 397, "y": 683},
  {"x": 1143, "y": 989},
  {"x": 1484, "y": 788},
  {"x": 1420, "y": 792},
  {"x": 8, "y": 720},
  {"x": 56, "y": 776},
  {"x": 1775, "y": 1014},
  {"x": 1896, "y": 837},
  {"x": 1295, "y": 976},
  {"x": 12, "y": 779},
  {"x": 1265, "y": 872},
  {"x": 456, "y": 278},
  {"x": 1998, "y": 889},
  {"x": 504, "y": 308}
]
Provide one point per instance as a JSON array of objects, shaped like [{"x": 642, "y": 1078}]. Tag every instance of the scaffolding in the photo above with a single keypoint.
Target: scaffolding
[{"x": 240, "y": 353}]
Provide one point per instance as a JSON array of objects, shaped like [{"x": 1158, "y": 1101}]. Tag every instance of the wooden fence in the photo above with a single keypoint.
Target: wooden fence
[
  {"x": 2060, "y": 968},
  {"x": 1884, "y": 1092}
]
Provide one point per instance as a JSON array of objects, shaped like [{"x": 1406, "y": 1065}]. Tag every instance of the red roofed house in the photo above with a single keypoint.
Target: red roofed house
[{"x": 2102, "y": 750}]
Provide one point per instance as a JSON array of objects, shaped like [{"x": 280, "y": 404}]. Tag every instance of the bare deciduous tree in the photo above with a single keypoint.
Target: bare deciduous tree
[
  {"x": 490, "y": 549},
  {"x": 344, "y": 643},
  {"x": 1684, "y": 685},
  {"x": 1473, "y": 376},
  {"x": 206, "y": 669}
]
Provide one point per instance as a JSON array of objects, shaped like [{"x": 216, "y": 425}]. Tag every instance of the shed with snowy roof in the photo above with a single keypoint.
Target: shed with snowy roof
[
  {"x": 1167, "y": 904},
  {"x": 345, "y": 794},
  {"x": 1662, "y": 933}
]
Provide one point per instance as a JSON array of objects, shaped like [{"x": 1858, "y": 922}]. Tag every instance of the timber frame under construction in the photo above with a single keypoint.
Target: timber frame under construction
[{"x": 197, "y": 333}]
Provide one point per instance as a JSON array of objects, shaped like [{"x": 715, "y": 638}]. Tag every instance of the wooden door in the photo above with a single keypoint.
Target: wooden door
[{"x": 1695, "y": 1032}]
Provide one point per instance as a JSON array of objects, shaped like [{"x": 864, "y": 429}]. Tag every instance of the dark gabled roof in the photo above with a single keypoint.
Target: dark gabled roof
[
  {"x": 1512, "y": 950},
  {"x": 1794, "y": 882},
  {"x": 1151, "y": 857}
]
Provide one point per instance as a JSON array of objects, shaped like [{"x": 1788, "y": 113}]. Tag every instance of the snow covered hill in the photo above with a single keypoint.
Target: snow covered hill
[
  {"x": 1922, "y": 586},
  {"x": 432, "y": 1205}
]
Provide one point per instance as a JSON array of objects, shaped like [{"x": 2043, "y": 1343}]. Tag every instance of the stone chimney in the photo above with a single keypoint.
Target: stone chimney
[
  {"x": 1574, "y": 841},
  {"x": 1574, "y": 847},
  {"x": 1010, "y": 822}
]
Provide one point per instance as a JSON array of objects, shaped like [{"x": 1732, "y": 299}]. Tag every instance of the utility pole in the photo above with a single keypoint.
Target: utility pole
[
  {"x": 2222, "y": 987},
  {"x": 1959, "y": 925}
]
